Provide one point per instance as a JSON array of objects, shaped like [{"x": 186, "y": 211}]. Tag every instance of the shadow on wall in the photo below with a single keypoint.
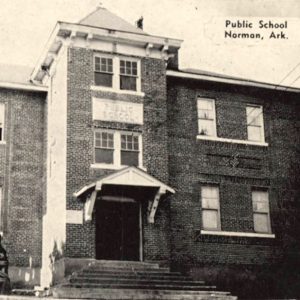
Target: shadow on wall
[
  {"x": 24, "y": 276},
  {"x": 56, "y": 255}
]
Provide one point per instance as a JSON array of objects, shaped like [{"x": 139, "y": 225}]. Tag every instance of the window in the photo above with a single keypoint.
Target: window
[
  {"x": 2, "y": 116},
  {"x": 128, "y": 75},
  {"x": 210, "y": 208},
  {"x": 104, "y": 147},
  {"x": 261, "y": 215},
  {"x": 103, "y": 71},
  {"x": 129, "y": 149},
  {"x": 206, "y": 117},
  {"x": 117, "y": 148},
  {"x": 255, "y": 126}
]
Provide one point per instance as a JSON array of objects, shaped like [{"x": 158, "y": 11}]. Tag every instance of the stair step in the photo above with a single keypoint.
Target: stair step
[
  {"x": 134, "y": 276},
  {"x": 135, "y": 280},
  {"x": 136, "y": 285},
  {"x": 123, "y": 264},
  {"x": 130, "y": 280},
  {"x": 128, "y": 271},
  {"x": 146, "y": 294}
]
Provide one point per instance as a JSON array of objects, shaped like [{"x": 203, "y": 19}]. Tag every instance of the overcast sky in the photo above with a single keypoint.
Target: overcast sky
[{"x": 25, "y": 26}]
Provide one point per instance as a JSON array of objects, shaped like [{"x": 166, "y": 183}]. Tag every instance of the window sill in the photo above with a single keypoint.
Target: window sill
[
  {"x": 112, "y": 167},
  {"x": 218, "y": 139},
  {"x": 112, "y": 90},
  {"x": 238, "y": 234},
  {"x": 2, "y": 142}
]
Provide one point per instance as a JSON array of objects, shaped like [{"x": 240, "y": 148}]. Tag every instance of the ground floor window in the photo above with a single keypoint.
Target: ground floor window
[
  {"x": 210, "y": 208},
  {"x": 261, "y": 213}
]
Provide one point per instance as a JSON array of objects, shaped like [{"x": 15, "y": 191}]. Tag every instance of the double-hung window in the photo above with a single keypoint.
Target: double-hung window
[
  {"x": 104, "y": 147},
  {"x": 206, "y": 117},
  {"x": 128, "y": 75},
  {"x": 129, "y": 149},
  {"x": 117, "y": 148},
  {"x": 103, "y": 67},
  {"x": 261, "y": 213},
  {"x": 255, "y": 123},
  {"x": 210, "y": 208}
]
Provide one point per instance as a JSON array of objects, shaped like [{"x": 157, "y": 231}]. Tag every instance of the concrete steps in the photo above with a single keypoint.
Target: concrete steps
[{"x": 134, "y": 280}]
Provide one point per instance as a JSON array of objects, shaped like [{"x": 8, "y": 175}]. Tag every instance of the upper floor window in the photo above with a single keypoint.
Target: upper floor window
[
  {"x": 255, "y": 123},
  {"x": 206, "y": 117},
  {"x": 2, "y": 117},
  {"x": 117, "y": 73},
  {"x": 128, "y": 75},
  {"x": 117, "y": 148},
  {"x": 103, "y": 68},
  {"x": 210, "y": 208},
  {"x": 261, "y": 213}
]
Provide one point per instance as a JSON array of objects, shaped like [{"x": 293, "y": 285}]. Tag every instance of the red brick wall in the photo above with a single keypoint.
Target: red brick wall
[
  {"x": 194, "y": 162},
  {"x": 21, "y": 173},
  {"x": 80, "y": 147}
]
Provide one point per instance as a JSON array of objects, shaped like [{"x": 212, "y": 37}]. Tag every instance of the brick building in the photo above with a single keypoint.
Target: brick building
[{"x": 120, "y": 155}]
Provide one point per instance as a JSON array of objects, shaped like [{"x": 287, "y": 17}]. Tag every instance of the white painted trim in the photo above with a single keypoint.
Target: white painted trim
[
  {"x": 113, "y": 167},
  {"x": 26, "y": 87},
  {"x": 245, "y": 82},
  {"x": 239, "y": 234},
  {"x": 233, "y": 141},
  {"x": 2, "y": 142},
  {"x": 117, "y": 91}
]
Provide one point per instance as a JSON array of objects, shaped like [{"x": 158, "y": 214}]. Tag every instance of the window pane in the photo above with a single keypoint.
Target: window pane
[
  {"x": 260, "y": 196},
  {"x": 206, "y": 127},
  {"x": 254, "y": 115},
  {"x": 129, "y": 158},
  {"x": 210, "y": 192},
  {"x": 205, "y": 114},
  {"x": 261, "y": 222},
  {"x": 104, "y": 155},
  {"x": 128, "y": 83},
  {"x": 254, "y": 133},
  {"x": 210, "y": 203},
  {"x": 210, "y": 219},
  {"x": 205, "y": 104},
  {"x": 103, "y": 79}
]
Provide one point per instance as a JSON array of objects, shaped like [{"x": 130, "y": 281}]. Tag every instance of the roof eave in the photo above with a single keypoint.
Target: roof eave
[{"x": 243, "y": 82}]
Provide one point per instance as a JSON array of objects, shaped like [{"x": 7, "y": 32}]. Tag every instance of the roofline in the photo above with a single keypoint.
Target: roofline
[
  {"x": 26, "y": 87},
  {"x": 146, "y": 35},
  {"x": 237, "y": 81}
]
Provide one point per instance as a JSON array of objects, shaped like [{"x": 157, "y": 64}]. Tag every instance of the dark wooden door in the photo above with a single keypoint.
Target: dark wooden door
[{"x": 117, "y": 230}]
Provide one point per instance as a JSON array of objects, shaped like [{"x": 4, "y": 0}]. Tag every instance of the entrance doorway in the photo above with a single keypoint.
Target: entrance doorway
[{"x": 117, "y": 230}]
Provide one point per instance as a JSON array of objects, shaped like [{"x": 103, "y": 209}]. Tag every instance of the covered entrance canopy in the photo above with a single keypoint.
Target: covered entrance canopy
[{"x": 131, "y": 177}]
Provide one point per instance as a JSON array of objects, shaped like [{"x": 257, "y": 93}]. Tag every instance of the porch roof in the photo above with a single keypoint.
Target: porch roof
[{"x": 129, "y": 176}]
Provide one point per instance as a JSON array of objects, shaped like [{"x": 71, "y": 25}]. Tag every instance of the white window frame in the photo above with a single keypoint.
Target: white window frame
[
  {"x": 117, "y": 149},
  {"x": 261, "y": 121},
  {"x": 213, "y": 119},
  {"x": 116, "y": 75},
  {"x": 265, "y": 211},
  {"x": 105, "y": 72},
  {"x": 215, "y": 137},
  {"x": 213, "y": 209}
]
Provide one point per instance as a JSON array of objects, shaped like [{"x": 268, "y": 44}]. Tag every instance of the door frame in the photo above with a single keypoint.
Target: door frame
[{"x": 127, "y": 199}]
